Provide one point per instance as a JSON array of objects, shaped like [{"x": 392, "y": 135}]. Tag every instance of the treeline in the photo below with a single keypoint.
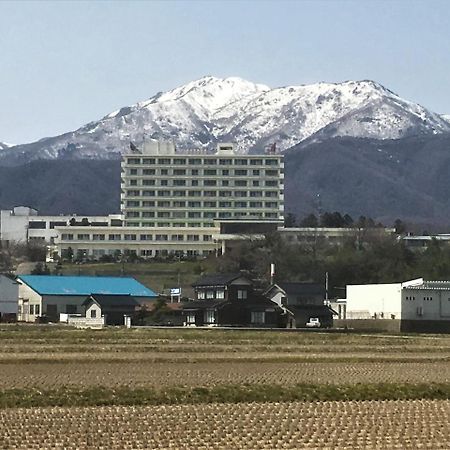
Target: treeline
[
  {"x": 368, "y": 259},
  {"x": 337, "y": 220}
]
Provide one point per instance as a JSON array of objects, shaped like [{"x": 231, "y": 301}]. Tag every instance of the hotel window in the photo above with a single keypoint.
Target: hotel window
[
  {"x": 164, "y": 214},
  {"x": 132, "y": 193},
  {"x": 194, "y": 215},
  {"x": 193, "y": 237},
  {"x": 148, "y": 161},
  {"x": 179, "y": 182},
  {"x": 255, "y": 204},
  {"x": 114, "y": 237},
  {"x": 132, "y": 214},
  {"x": 147, "y": 214},
  {"x": 209, "y": 182},
  {"x": 130, "y": 237},
  {"x": 146, "y": 237},
  {"x": 225, "y": 204},
  {"x": 271, "y": 173},
  {"x": 240, "y": 162},
  {"x": 271, "y": 162},
  {"x": 179, "y": 193},
  {"x": 271, "y": 183},
  {"x": 195, "y": 161},
  {"x": 225, "y": 162},
  {"x": 179, "y": 204},
  {"x": 194, "y": 204},
  {"x": 179, "y": 171},
  {"x": 209, "y": 193},
  {"x": 240, "y": 194},
  {"x": 98, "y": 237},
  {"x": 83, "y": 237},
  {"x": 255, "y": 172},
  {"x": 177, "y": 237},
  {"x": 164, "y": 182},
  {"x": 134, "y": 161},
  {"x": 133, "y": 203},
  {"x": 256, "y": 162},
  {"x": 210, "y": 172},
  {"x": 194, "y": 172},
  {"x": 148, "y": 171},
  {"x": 148, "y": 193},
  {"x": 161, "y": 237},
  {"x": 67, "y": 237},
  {"x": 179, "y": 161},
  {"x": 240, "y": 172},
  {"x": 240, "y": 183},
  {"x": 209, "y": 204},
  {"x": 240, "y": 204},
  {"x": 225, "y": 194},
  {"x": 164, "y": 204},
  {"x": 148, "y": 182},
  {"x": 133, "y": 171},
  {"x": 132, "y": 182},
  {"x": 164, "y": 161}
]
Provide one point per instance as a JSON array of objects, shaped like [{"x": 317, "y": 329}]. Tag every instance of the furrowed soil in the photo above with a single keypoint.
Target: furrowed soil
[{"x": 187, "y": 388}]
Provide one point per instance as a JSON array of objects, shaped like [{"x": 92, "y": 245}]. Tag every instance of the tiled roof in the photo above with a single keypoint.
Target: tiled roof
[
  {"x": 297, "y": 288},
  {"x": 84, "y": 285},
  {"x": 216, "y": 279},
  {"x": 112, "y": 300}
]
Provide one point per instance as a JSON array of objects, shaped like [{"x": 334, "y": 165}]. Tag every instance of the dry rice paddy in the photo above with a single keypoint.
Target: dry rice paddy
[{"x": 35, "y": 359}]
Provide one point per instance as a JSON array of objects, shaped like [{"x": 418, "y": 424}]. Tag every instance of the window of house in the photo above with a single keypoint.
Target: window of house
[
  {"x": 209, "y": 294},
  {"x": 190, "y": 318},
  {"x": 258, "y": 317},
  {"x": 32, "y": 310},
  {"x": 93, "y": 313},
  {"x": 220, "y": 293},
  {"x": 201, "y": 295},
  {"x": 242, "y": 294},
  {"x": 37, "y": 309},
  {"x": 210, "y": 316}
]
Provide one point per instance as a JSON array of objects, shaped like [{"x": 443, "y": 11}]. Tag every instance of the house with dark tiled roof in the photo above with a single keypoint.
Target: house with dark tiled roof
[
  {"x": 301, "y": 302},
  {"x": 229, "y": 300}
]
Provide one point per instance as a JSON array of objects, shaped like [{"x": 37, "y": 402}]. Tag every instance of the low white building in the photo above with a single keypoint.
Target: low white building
[
  {"x": 23, "y": 224},
  {"x": 419, "y": 305}
]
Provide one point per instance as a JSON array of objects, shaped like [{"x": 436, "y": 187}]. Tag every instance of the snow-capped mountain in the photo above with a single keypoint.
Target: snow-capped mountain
[
  {"x": 446, "y": 117},
  {"x": 203, "y": 112},
  {"x": 4, "y": 145}
]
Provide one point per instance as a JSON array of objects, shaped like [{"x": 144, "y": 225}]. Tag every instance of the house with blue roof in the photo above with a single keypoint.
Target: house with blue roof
[{"x": 52, "y": 295}]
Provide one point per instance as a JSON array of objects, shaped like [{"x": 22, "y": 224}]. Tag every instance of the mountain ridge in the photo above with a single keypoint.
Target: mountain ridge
[{"x": 203, "y": 112}]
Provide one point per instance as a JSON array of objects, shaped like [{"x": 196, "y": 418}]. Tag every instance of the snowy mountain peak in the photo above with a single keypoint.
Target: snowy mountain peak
[
  {"x": 5, "y": 145},
  {"x": 203, "y": 112}
]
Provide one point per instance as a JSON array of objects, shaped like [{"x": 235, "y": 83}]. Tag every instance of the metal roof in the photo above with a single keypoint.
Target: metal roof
[{"x": 84, "y": 285}]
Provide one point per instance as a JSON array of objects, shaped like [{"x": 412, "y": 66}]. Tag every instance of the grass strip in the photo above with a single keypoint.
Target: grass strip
[{"x": 100, "y": 396}]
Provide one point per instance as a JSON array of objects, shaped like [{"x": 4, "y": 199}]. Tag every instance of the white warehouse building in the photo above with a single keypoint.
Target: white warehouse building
[{"x": 419, "y": 305}]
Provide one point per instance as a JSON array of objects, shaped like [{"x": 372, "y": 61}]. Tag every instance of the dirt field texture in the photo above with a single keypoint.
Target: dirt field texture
[{"x": 172, "y": 388}]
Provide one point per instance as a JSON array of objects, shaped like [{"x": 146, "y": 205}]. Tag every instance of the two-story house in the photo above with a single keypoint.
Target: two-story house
[{"x": 229, "y": 300}]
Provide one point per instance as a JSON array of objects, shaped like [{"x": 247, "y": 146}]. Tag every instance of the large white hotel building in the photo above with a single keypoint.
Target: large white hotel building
[{"x": 185, "y": 203}]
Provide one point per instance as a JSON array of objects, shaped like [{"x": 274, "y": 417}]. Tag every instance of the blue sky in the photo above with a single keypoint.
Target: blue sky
[{"x": 63, "y": 64}]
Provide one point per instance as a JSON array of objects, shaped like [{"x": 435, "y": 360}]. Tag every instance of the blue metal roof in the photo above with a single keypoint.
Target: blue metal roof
[{"x": 81, "y": 285}]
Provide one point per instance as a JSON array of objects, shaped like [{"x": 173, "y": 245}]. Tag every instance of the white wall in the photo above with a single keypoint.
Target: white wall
[
  {"x": 28, "y": 297},
  {"x": 367, "y": 300},
  {"x": 425, "y": 304}
]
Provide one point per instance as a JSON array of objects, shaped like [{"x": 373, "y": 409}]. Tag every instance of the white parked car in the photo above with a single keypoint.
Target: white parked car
[{"x": 313, "y": 322}]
